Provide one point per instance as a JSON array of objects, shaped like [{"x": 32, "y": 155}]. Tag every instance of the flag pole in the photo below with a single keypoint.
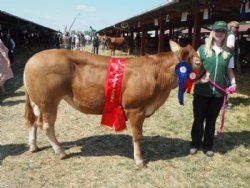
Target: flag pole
[{"x": 73, "y": 22}]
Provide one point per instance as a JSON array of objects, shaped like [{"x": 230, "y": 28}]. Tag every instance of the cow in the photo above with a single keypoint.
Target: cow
[
  {"x": 115, "y": 43},
  {"x": 79, "y": 78}
]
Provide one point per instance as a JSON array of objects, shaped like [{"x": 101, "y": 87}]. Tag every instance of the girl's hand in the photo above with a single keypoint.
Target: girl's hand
[
  {"x": 205, "y": 78},
  {"x": 231, "y": 89}
]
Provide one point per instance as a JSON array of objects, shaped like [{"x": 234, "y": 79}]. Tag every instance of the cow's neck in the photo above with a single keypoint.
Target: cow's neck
[
  {"x": 163, "y": 70},
  {"x": 166, "y": 77}
]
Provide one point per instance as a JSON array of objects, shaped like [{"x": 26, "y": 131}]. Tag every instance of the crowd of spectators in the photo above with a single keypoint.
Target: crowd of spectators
[{"x": 23, "y": 42}]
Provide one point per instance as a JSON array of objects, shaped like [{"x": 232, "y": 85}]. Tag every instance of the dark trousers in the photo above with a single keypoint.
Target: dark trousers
[
  {"x": 95, "y": 49},
  {"x": 205, "y": 109},
  {"x": 11, "y": 57}
]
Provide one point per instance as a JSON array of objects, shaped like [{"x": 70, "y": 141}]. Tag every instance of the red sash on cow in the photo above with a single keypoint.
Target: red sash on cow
[{"x": 113, "y": 114}]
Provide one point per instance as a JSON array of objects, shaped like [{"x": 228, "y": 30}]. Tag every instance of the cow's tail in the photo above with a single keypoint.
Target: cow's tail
[
  {"x": 29, "y": 115},
  {"x": 33, "y": 114}
]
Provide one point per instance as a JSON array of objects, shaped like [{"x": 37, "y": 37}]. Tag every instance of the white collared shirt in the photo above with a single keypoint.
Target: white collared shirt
[{"x": 218, "y": 50}]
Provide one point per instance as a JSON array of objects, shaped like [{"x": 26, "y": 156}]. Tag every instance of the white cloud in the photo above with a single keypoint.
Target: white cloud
[{"x": 85, "y": 8}]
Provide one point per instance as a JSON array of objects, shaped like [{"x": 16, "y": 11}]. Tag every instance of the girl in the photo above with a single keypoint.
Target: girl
[{"x": 207, "y": 99}]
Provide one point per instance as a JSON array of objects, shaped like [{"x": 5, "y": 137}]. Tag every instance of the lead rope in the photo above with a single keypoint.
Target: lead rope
[{"x": 224, "y": 106}]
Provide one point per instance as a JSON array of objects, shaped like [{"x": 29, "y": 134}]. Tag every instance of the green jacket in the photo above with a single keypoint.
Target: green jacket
[{"x": 217, "y": 67}]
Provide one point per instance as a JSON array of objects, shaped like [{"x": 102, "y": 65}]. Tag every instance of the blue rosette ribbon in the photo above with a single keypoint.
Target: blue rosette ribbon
[{"x": 182, "y": 70}]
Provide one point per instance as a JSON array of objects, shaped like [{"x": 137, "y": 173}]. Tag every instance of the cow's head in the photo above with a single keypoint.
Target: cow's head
[
  {"x": 108, "y": 40},
  {"x": 188, "y": 54}
]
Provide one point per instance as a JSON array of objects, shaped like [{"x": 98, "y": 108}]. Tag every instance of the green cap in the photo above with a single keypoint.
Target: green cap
[{"x": 219, "y": 25}]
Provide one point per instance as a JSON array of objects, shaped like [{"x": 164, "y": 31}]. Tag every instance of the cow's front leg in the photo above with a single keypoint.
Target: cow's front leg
[{"x": 136, "y": 118}]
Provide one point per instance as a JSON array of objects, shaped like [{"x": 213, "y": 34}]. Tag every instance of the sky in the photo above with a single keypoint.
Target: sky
[{"x": 57, "y": 14}]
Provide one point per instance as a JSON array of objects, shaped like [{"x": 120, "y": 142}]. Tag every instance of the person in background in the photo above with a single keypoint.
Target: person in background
[
  {"x": 83, "y": 41},
  {"x": 233, "y": 47},
  {"x": 5, "y": 68},
  {"x": 137, "y": 44},
  {"x": 2, "y": 37},
  {"x": 233, "y": 42},
  {"x": 72, "y": 37},
  {"x": 103, "y": 42},
  {"x": 208, "y": 101},
  {"x": 65, "y": 41},
  {"x": 77, "y": 42},
  {"x": 10, "y": 44},
  {"x": 95, "y": 42}
]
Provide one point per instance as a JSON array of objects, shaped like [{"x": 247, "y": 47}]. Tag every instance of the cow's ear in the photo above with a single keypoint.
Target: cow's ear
[
  {"x": 175, "y": 47},
  {"x": 184, "y": 55}
]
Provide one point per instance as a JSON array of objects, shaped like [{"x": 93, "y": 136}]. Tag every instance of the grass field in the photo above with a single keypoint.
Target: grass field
[{"x": 101, "y": 158}]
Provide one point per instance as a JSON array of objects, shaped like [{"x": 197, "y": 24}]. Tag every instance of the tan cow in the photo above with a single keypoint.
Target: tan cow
[
  {"x": 79, "y": 78},
  {"x": 115, "y": 43}
]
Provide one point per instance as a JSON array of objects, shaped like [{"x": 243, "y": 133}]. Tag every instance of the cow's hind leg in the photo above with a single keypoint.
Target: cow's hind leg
[
  {"x": 30, "y": 117},
  {"x": 136, "y": 118},
  {"x": 32, "y": 138},
  {"x": 49, "y": 118}
]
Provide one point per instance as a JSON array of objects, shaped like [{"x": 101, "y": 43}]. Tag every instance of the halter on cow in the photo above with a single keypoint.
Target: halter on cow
[{"x": 79, "y": 78}]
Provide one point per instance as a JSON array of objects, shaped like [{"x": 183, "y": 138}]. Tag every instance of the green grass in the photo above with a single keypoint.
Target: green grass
[{"x": 101, "y": 158}]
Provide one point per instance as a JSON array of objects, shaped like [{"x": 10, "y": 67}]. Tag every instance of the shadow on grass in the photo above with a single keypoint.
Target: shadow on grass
[
  {"x": 236, "y": 101},
  {"x": 230, "y": 140},
  {"x": 154, "y": 148},
  {"x": 15, "y": 149},
  {"x": 243, "y": 83},
  {"x": 8, "y": 96},
  {"x": 11, "y": 150},
  {"x": 11, "y": 103}
]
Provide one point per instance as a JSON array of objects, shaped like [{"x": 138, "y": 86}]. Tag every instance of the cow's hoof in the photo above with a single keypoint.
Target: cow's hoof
[
  {"x": 63, "y": 156},
  {"x": 34, "y": 149},
  {"x": 140, "y": 163}
]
